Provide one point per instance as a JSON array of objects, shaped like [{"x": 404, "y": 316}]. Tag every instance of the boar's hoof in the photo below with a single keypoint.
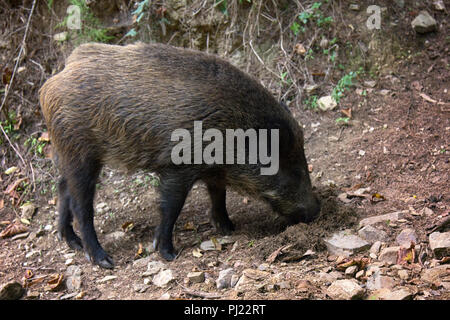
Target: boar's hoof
[
  {"x": 166, "y": 250},
  {"x": 102, "y": 259},
  {"x": 223, "y": 227},
  {"x": 74, "y": 242}
]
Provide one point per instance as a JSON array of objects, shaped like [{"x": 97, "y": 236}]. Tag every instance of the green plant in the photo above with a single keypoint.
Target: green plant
[
  {"x": 342, "y": 120},
  {"x": 91, "y": 29},
  {"x": 222, "y": 5},
  {"x": 139, "y": 13},
  {"x": 313, "y": 14},
  {"x": 35, "y": 146},
  {"x": 344, "y": 84},
  {"x": 311, "y": 102}
]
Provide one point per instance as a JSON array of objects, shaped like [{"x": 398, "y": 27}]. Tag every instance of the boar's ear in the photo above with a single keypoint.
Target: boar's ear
[{"x": 284, "y": 105}]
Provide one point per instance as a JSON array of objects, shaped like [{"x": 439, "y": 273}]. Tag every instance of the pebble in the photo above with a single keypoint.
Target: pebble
[
  {"x": 424, "y": 23},
  {"x": 224, "y": 279},
  {"x": 372, "y": 234},
  {"x": 393, "y": 216},
  {"x": 389, "y": 255},
  {"x": 377, "y": 281},
  {"x": 73, "y": 278},
  {"x": 163, "y": 278},
  {"x": 153, "y": 267},
  {"x": 406, "y": 237},
  {"x": 440, "y": 243},
  {"x": 11, "y": 291},
  {"x": 347, "y": 289},
  {"x": 196, "y": 277},
  {"x": 326, "y": 103},
  {"x": 345, "y": 243}
]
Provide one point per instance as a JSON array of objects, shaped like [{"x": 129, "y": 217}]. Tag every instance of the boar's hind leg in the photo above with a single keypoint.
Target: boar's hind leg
[
  {"x": 219, "y": 214},
  {"x": 174, "y": 189},
  {"x": 81, "y": 180},
  {"x": 65, "y": 229}
]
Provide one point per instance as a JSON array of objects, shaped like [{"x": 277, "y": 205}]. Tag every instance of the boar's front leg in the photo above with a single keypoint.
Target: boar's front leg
[{"x": 174, "y": 189}]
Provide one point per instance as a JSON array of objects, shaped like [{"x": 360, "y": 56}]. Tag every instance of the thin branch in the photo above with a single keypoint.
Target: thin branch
[{"x": 8, "y": 88}]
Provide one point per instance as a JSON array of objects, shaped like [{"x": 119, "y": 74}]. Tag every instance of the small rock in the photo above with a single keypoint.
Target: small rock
[
  {"x": 406, "y": 237},
  {"x": 62, "y": 36},
  {"x": 437, "y": 274},
  {"x": 153, "y": 267},
  {"x": 384, "y": 92},
  {"x": 106, "y": 279},
  {"x": 354, "y": 7},
  {"x": 311, "y": 88},
  {"x": 251, "y": 279},
  {"x": 196, "y": 277},
  {"x": 389, "y": 255},
  {"x": 326, "y": 103},
  {"x": 403, "y": 274},
  {"x": 377, "y": 281},
  {"x": 370, "y": 83},
  {"x": 393, "y": 216},
  {"x": 345, "y": 243},
  {"x": 347, "y": 289},
  {"x": 440, "y": 243},
  {"x": 375, "y": 248},
  {"x": 210, "y": 246},
  {"x": 142, "y": 262},
  {"x": 372, "y": 235},
  {"x": 73, "y": 278},
  {"x": 11, "y": 291},
  {"x": 114, "y": 237},
  {"x": 163, "y": 278},
  {"x": 359, "y": 274},
  {"x": 324, "y": 43},
  {"x": 439, "y": 5},
  {"x": 224, "y": 279},
  {"x": 350, "y": 271},
  {"x": 140, "y": 287},
  {"x": 102, "y": 207},
  {"x": 400, "y": 294},
  {"x": 28, "y": 210},
  {"x": 424, "y": 23}
]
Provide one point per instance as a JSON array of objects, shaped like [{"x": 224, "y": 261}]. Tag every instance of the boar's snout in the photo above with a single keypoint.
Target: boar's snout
[{"x": 305, "y": 212}]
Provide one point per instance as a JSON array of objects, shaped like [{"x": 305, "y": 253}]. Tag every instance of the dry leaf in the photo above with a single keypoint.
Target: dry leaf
[
  {"x": 189, "y": 226},
  {"x": 6, "y": 76},
  {"x": 54, "y": 283},
  {"x": 361, "y": 263},
  {"x": 44, "y": 137},
  {"x": 347, "y": 112},
  {"x": 18, "y": 122},
  {"x": 29, "y": 274},
  {"x": 13, "y": 229},
  {"x": 273, "y": 256},
  {"x": 127, "y": 226},
  {"x": 10, "y": 190},
  {"x": 197, "y": 253},
  {"x": 140, "y": 250},
  {"x": 299, "y": 49},
  {"x": 405, "y": 256},
  {"x": 216, "y": 244}
]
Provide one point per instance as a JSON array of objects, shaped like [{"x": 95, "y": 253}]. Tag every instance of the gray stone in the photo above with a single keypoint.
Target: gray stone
[
  {"x": 375, "y": 248},
  {"x": 424, "y": 23},
  {"x": 345, "y": 243},
  {"x": 210, "y": 246},
  {"x": 224, "y": 279},
  {"x": 354, "y": 7},
  {"x": 163, "y": 278},
  {"x": 399, "y": 294},
  {"x": 347, "y": 289},
  {"x": 153, "y": 267},
  {"x": 372, "y": 234},
  {"x": 389, "y": 255},
  {"x": 439, "y": 5},
  {"x": 388, "y": 217},
  {"x": 437, "y": 274},
  {"x": 440, "y": 243},
  {"x": 406, "y": 237},
  {"x": 326, "y": 103},
  {"x": 196, "y": 277},
  {"x": 11, "y": 291},
  {"x": 73, "y": 278},
  {"x": 28, "y": 210},
  {"x": 377, "y": 281}
]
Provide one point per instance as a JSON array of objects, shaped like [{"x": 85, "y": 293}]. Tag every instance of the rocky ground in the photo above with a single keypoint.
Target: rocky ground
[{"x": 383, "y": 232}]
